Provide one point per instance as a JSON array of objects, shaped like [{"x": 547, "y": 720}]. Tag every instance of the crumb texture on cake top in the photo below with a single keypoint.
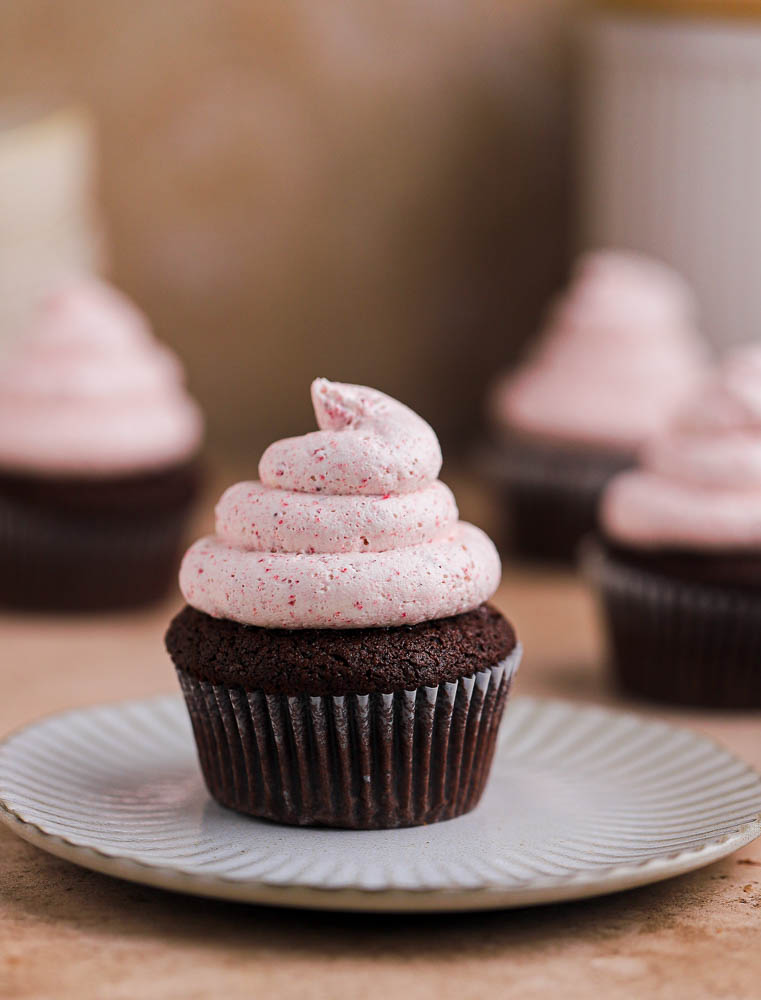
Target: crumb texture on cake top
[{"x": 338, "y": 661}]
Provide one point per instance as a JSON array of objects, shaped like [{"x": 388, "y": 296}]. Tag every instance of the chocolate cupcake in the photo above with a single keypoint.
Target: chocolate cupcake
[
  {"x": 98, "y": 457},
  {"x": 678, "y": 563},
  {"x": 618, "y": 356},
  {"x": 338, "y": 659}
]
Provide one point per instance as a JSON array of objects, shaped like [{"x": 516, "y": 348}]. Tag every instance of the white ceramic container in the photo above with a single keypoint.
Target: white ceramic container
[{"x": 671, "y": 148}]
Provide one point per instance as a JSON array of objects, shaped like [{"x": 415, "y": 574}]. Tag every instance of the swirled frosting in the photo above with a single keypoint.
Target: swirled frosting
[
  {"x": 89, "y": 391},
  {"x": 699, "y": 483},
  {"x": 347, "y": 527},
  {"x": 618, "y": 356}
]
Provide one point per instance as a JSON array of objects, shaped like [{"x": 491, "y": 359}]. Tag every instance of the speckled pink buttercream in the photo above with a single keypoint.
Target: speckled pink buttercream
[
  {"x": 619, "y": 356},
  {"x": 699, "y": 485},
  {"x": 89, "y": 391},
  {"x": 348, "y": 528},
  {"x": 389, "y": 448}
]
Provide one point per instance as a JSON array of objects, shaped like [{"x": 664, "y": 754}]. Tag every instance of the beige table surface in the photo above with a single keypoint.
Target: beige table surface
[{"x": 69, "y": 933}]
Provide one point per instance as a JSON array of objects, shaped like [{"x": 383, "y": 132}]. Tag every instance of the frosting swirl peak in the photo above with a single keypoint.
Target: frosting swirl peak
[
  {"x": 349, "y": 527},
  {"x": 367, "y": 443}
]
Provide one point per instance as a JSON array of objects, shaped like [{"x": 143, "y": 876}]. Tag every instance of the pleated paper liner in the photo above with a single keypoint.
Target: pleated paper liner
[
  {"x": 358, "y": 761},
  {"x": 56, "y": 561},
  {"x": 116, "y": 496},
  {"x": 674, "y": 641}
]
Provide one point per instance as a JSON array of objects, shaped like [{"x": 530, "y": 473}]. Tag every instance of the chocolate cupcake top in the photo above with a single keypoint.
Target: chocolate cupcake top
[
  {"x": 88, "y": 392},
  {"x": 619, "y": 353},
  {"x": 347, "y": 527},
  {"x": 699, "y": 483},
  {"x": 338, "y": 661}
]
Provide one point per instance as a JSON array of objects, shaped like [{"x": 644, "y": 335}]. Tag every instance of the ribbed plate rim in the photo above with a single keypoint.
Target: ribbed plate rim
[{"x": 601, "y": 880}]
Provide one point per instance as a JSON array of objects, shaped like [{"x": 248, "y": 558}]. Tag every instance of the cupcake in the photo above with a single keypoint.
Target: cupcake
[
  {"x": 678, "y": 564},
  {"x": 338, "y": 659},
  {"x": 619, "y": 354},
  {"x": 98, "y": 457}
]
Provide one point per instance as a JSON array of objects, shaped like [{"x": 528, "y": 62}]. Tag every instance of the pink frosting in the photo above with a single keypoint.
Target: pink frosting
[
  {"x": 390, "y": 450},
  {"x": 699, "y": 485},
  {"x": 254, "y": 516},
  {"x": 618, "y": 357},
  {"x": 348, "y": 527},
  {"x": 89, "y": 391}
]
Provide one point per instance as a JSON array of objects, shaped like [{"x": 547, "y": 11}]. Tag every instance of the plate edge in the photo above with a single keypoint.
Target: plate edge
[
  {"x": 607, "y": 879},
  {"x": 616, "y": 878}
]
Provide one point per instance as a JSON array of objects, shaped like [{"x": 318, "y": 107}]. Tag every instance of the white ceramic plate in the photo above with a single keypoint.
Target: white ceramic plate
[{"x": 581, "y": 801}]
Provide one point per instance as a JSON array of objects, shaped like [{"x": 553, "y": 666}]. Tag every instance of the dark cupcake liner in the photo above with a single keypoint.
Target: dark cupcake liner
[
  {"x": 673, "y": 641},
  {"x": 550, "y": 496},
  {"x": 358, "y": 761},
  {"x": 52, "y": 560},
  {"x": 122, "y": 496}
]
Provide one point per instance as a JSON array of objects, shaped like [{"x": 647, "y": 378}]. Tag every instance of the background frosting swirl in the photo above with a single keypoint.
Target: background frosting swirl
[
  {"x": 348, "y": 527},
  {"x": 89, "y": 391},
  {"x": 699, "y": 484},
  {"x": 618, "y": 356}
]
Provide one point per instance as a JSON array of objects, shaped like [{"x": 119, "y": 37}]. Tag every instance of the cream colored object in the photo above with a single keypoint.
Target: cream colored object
[
  {"x": 48, "y": 221},
  {"x": 671, "y": 153}
]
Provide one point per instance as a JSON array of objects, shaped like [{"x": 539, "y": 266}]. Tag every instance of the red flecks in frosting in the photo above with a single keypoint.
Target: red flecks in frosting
[{"x": 383, "y": 536}]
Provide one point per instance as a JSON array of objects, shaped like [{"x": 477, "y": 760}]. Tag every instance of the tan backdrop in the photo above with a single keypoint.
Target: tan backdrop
[{"x": 375, "y": 192}]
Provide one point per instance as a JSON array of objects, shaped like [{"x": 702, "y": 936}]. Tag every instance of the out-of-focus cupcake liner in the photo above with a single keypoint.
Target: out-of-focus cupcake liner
[
  {"x": 54, "y": 561},
  {"x": 674, "y": 641},
  {"x": 121, "y": 496},
  {"x": 358, "y": 761},
  {"x": 550, "y": 493}
]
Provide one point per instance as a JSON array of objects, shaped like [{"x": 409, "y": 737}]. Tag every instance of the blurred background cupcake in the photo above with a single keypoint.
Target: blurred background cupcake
[
  {"x": 619, "y": 352},
  {"x": 99, "y": 447},
  {"x": 678, "y": 563}
]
